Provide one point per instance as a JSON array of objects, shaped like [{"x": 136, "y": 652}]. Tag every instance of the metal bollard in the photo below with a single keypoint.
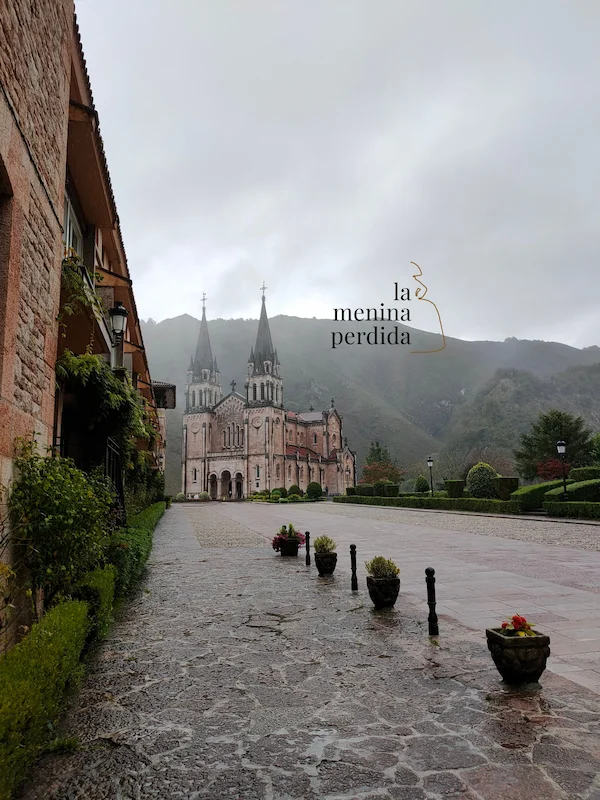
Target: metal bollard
[
  {"x": 307, "y": 549},
  {"x": 432, "y": 620},
  {"x": 353, "y": 567}
]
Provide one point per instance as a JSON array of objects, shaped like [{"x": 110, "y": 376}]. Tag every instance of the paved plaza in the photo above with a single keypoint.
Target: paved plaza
[{"x": 235, "y": 673}]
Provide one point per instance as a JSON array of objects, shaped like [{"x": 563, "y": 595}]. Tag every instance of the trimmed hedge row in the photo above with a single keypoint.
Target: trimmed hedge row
[
  {"x": 582, "y": 491},
  {"x": 131, "y": 547},
  {"x": 97, "y": 588},
  {"x": 442, "y": 503},
  {"x": 530, "y": 498},
  {"x": 573, "y": 510},
  {"x": 584, "y": 473},
  {"x": 34, "y": 676}
]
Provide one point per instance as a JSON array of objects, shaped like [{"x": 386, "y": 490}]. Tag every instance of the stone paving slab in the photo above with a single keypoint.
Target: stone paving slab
[
  {"x": 487, "y": 568},
  {"x": 235, "y": 673}
]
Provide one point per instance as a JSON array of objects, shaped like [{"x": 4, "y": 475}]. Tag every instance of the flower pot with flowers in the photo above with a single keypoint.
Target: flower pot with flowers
[
  {"x": 519, "y": 652},
  {"x": 288, "y": 540},
  {"x": 383, "y": 581},
  {"x": 325, "y": 555}
]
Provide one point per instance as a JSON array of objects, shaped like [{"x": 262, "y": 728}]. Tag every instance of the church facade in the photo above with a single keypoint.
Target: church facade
[{"x": 236, "y": 444}]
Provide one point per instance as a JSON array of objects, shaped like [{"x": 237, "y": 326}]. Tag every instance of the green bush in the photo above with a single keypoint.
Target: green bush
[
  {"x": 314, "y": 490},
  {"x": 294, "y": 498},
  {"x": 391, "y": 489},
  {"x": 482, "y": 506},
  {"x": 34, "y": 676},
  {"x": 62, "y": 516},
  {"x": 179, "y": 496},
  {"x": 324, "y": 544},
  {"x": 506, "y": 486},
  {"x": 168, "y": 500},
  {"x": 97, "y": 588},
  {"x": 582, "y": 491},
  {"x": 381, "y": 567},
  {"x": 204, "y": 497},
  {"x": 295, "y": 490},
  {"x": 283, "y": 500},
  {"x": 129, "y": 549},
  {"x": 276, "y": 493},
  {"x": 531, "y": 498},
  {"x": 455, "y": 488},
  {"x": 481, "y": 481},
  {"x": 584, "y": 474},
  {"x": 572, "y": 510},
  {"x": 351, "y": 491},
  {"x": 364, "y": 490},
  {"x": 421, "y": 484},
  {"x": 282, "y": 491}
]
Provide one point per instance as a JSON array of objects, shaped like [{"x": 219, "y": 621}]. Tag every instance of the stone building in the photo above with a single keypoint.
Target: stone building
[{"x": 236, "y": 444}]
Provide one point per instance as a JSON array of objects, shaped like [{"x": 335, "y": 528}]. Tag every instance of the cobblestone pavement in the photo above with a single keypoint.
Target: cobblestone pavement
[{"x": 235, "y": 673}]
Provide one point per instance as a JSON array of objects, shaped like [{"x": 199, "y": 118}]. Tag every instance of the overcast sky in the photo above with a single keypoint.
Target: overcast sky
[{"x": 322, "y": 145}]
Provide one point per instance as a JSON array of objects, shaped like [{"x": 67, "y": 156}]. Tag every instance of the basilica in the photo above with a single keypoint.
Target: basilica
[{"x": 236, "y": 444}]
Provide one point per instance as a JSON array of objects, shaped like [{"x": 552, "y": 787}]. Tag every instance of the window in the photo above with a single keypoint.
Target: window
[
  {"x": 224, "y": 438},
  {"x": 254, "y": 391},
  {"x": 277, "y": 470},
  {"x": 228, "y": 436},
  {"x": 237, "y": 435},
  {"x": 314, "y": 438},
  {"x": 277, "y": 394},
  {"x": 73, "y": 236},
  {"x": 333, "y": 438},
  {"x": 289, "y": 470},
  {"x": 262, "y": 391},
  {"x": 210, "y": 396},
  {"x": 257, "y": 471},
  {"x": 194, "y": 475},
  {"x": 193, "y": 399}
]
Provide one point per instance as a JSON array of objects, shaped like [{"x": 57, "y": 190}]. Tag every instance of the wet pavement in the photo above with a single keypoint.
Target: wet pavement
[{"x": 235, "y": 673}]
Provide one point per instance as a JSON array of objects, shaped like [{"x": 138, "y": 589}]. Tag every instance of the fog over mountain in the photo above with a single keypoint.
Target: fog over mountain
[{"x": 470, "y": 395}]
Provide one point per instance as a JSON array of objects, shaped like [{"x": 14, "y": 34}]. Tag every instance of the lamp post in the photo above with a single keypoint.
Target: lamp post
[
  {"x": 347, "y": 476},
  {"x": 561, "y": 449},
  {"x": 430, "y": 465},
  {"x": 118, "y": 322}
]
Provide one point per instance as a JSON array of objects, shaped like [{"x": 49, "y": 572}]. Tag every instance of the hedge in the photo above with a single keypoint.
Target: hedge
[
  {"x": 455, "y": 488},
  {"x": 531, "y": 498},
  {"x": 97, "y": 588},
  {"x": 506, "y": 486},
  {"x": 391, "y": 490},
  {"x": 34, "y": 677},
  {"x": 131, "y": 547},
  {"x": 443, "y": 503},
  {"x": 582, "y": 491},
  {"x": 584, "y": 473},
  {"x": 364, "y": 490},
  {"x": 351, "y": 490},
  {"x": 573, "y": 510}
]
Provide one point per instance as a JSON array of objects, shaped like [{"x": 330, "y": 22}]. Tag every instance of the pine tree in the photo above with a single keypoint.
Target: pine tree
[{"x": 540, "y": 444}]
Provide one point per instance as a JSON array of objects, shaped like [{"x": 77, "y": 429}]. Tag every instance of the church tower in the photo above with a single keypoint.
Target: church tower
[
  {"x": 203, "y": 384},
  {"x": 264, "y": 386}
]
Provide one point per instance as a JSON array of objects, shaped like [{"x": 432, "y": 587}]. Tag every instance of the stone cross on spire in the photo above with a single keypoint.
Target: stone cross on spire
[
  {"x": 203, "y": 301},
  {"x": 233, "y": 386},
  {"x": 263, "y": 289}
]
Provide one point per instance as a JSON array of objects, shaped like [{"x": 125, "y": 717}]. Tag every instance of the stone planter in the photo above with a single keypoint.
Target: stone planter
[
  {"x": 519, "y": 659},
  {"x": 325, "y": 563},
  {"x": 383, "y": 591},
  {"x": 289, "y": 547}
]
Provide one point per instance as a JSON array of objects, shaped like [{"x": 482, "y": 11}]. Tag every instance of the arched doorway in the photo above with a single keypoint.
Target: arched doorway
[
  {"x": 226, "y": 491},
  {"x": 212, "y": 486},
  {"x": 239, "y": 486}
]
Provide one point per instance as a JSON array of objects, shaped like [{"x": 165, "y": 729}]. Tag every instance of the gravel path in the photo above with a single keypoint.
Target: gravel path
[{"x": 565, "y": 534}]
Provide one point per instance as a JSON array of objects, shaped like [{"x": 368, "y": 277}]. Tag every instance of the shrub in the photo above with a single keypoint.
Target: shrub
[
  {"x": 572, "y": 510},
  {"x": 472, "y": 504},
  {"x": 391, "y": 490},
  {"x": 62, "y": 516},
  {"x": 33, "y": 678},
  {"x": 282, "y": 491},
  {"x": 295, "y": 490},
  {"x": 455, "y": 488},
  {"x": 324, "y": 544},
  {"x": 584, "y": 474},
  {"x": 531, "y": 498},
  {"x": 351, "y": 491},
  {"x": 294, "y": 498},
  {"x": 481, "y": 481},
  {"x": 506, "y": 486},
  {"x": 168, "y": 500},
  {"x": 97, "y": 588},
  {"x": 364, "y": 490},
  {"x": 587, "y": 491},
  {"x": 179, "y": 496},
  {"x": 421, "y": 484},
  {"x": 276, "y": 493},
  {"x": 314, "y": 490},
  {"x": 283, "y": 500},
  {"x": 129, "y": 549},
  {"x": 204, "y": 497},
  {"x": 380, "y": 567}
]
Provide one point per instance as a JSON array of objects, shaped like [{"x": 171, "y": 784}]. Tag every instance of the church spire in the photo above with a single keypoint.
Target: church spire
[
  {"x": 263, "y": 383},
  {"x": 263, "y": 349},
  {"x": 204, "y": 357}
]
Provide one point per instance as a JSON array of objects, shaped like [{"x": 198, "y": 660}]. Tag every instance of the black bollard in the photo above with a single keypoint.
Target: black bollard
[
  {"x": 433, "y": 620},
  {"x": 307, "y": 549},
  {"x": 353, "y": 567}
]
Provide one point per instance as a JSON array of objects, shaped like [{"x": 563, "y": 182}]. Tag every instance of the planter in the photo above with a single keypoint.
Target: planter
[
  {"x": 289, "y": 547},
  {"x": 383, "y": 591},
  {"x": 325, "y": 563},
  {"x": 519, "y": 659}
]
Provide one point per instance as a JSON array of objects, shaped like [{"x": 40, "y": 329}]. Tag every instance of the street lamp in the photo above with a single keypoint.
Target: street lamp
[
  {"x": 430, "y": 465},
  {"x": 347, "y": 476},
  {"x": 118, "y": 322},
  {"x": 561, "y": 449}
]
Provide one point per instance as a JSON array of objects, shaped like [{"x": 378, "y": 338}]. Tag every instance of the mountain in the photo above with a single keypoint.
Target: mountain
[{"x": 484, "y": 392}]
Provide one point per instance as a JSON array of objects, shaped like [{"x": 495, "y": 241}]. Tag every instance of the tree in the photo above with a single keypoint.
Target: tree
[
  {"x": 422, "y": 484},
  {"x": 540, "y": 444},
  {"x": 596, "y": 449},
  {"x": 314, "y": 490},
  {"x": 552, "y": 469},
  {"x": 378, "y": 455},
  {"x": 379, "y": 471},
  {"x": 481, "y": 481}
]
